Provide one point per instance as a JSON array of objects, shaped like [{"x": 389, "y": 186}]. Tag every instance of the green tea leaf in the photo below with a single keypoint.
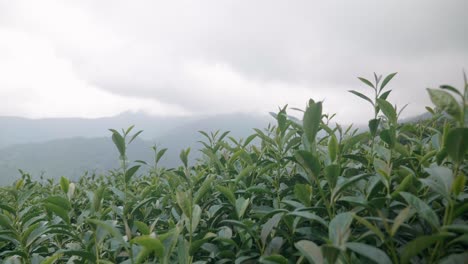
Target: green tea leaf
[
  {"x": 268, "y": 227},
  {"x": 135, "y": 136},
  {"x": 459, "y": 184},
  {"x": 241, "y": 206},
  {"x": 373, "y": 126},
  {"x": 312, "y": 119},
  {"x": 196, "y": 217},
  {"x": 310, "y": 163},
  {"x": 373, "y": 253},
  {"x": 452, "y": 89},
  {"x": 367, "y": 82},
  {"x": 387, "y": 80},
  {"x": 422, "y": 208},
  {"x": 130, "y": 172},
  {"x": 456, "y": 144},
  {"x": 119, "y": 142},
  {"x": 339, "y": 229},
  {"x": 64, "y": 183},
  {"x": 52, "y": 259},
  {"x": 184, "y": 202},
  {"x": 274, "y": 259},
  {"x": 419, "y": 244},
  {"x": 440, "y": 180},
  {"x": 144, "y": 228},
  {"x": 399, "y": 220},
  {"x": 228, "y": 194},
  {"x": 109, "y": 228},
  {"x": 446, "y": 102},
  {"x": 346, "y": 182},
  {"x": 362, "y": 96},
  {"x": 369, "y": 225},
  {"x": 310, "y": 250},
  {"x": 303, "y": 193},
  {"x": 333, "y": 148},
  {"x": 151, "y": 243},
  {"x": 388, "y": 110}
]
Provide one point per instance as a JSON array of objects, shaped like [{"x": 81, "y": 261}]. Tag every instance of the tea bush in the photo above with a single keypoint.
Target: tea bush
[{"x": 393, "y": 194}]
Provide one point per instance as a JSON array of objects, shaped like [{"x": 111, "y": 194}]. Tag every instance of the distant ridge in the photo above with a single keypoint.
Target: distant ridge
[{"x": 71, "y": 146}]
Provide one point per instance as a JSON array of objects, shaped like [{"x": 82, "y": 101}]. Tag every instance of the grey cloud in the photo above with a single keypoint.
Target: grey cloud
[{"x": 144, "y": 48}]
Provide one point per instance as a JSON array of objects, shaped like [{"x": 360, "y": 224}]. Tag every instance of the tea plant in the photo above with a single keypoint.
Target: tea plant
[{"x": 394, "y": 194}]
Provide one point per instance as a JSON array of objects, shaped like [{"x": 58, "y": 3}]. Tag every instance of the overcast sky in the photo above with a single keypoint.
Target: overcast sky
[{"x": 99, "y": 58}]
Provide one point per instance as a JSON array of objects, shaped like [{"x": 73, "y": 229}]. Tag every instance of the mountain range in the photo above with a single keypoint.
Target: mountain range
[{"x": 73, "y": 146}]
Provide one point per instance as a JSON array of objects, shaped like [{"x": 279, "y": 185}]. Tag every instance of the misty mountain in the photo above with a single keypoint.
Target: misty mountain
[
  {"x": 17, "y": 130},
  {"x": 71, "y": 147}
]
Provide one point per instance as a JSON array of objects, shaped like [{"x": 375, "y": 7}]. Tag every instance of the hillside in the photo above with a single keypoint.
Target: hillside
[{"x": 56, "y": 150}]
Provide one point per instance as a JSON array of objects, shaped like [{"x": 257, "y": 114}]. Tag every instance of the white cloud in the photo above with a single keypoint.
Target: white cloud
[{"x": 36, "y": 82}]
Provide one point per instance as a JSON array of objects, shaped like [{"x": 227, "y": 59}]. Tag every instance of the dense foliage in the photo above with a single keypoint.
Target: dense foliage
[{"x": 393, "y": 194}]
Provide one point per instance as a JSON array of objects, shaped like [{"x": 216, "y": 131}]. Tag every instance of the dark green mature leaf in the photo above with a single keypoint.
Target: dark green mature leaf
[
  {"x": 452, "y": 89},
  {"x": 362, "y": 96},
  {"x": 330, "y": 252},
  {"x": 8, "y": 208},
  {"x": 85, "y": 255},
  {"x": 350, "y": 142},
  {"x": 130, "y": 172},
  {"x": 388, "y": 110},
  {"x": 440, "y": 180},
  {"x": 339, "y": 229},
  {"x": 52, "y": 259},
  {"x": 204, "y": 189},
  {"x": 422, "y": 208},
  {"x": 387, "y": 80},
  {"x": 60, "y": 211},
  {"x": 309, "y": 216},
  {"x": 400, "y": 219},
  {"x": 367, "y": 82},
  {"x": 370, "y": 226},
  {"x": 195, "y": 246},
  {"x": 373, "y": 126},
  {"x": 373, "y": 253},
  {"x": 184, "y": 202},
  {"x": 459, "y": 184},
  {"x": 332, "y": 172},
  {"x": 109, "y": 228},
  {"x": 456, "y": 144},
  {"x": 241, "y": 206},
  {"x": 311, "y": 251},
  {"x": 119, "y": 142},
  {"x": 389, "y": 137},
  {"x": 135, "y": 136},
  {"x": 59, "y": 201},
  {"x": 184, "y": 156},
  {"x": 446, "y": 102},
  {"x": 228, "y": 194},
  {"x": 160, "y": 154},
  {"x": 421, "y": 243},
  {"x": 5, "y": 222},
  {"x": 310, "y": 163},
  {"x": 303, "y": 193},
  {"x": 345, "y": 183},
  {"x": 269, "y": 226},
  {"x": 312, "y": 119},
  {"x": 385, "y": 95}
]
